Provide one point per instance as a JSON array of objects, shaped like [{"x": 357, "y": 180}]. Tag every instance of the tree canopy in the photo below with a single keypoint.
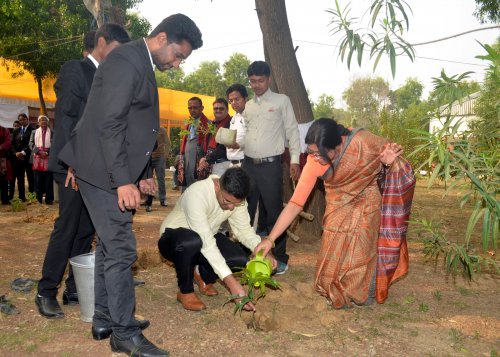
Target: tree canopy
[{"x": 40, "y": 35}]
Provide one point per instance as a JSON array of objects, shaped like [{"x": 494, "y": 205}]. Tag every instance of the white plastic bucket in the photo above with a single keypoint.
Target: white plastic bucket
[{"x": 83, "y": 271}]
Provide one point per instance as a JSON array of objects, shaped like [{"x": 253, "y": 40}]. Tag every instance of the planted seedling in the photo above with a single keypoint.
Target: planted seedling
[{"x": 257, "y": 277}]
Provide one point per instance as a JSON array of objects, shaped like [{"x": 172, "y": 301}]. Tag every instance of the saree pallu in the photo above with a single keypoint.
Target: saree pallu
[{"x": 392, "y": 249}]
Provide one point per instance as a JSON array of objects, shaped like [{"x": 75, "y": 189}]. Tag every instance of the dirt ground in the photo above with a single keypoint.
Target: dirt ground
[{"x": 427, "y": 313}]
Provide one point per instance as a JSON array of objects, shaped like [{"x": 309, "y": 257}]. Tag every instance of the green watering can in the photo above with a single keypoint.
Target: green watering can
[{"x": 259, "y": 266}]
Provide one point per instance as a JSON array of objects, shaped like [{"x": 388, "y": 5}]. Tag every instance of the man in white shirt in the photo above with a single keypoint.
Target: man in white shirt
[
  {"x": 189, "y": 236},
  {"x": 237, "y": 96},
  {"x": 270, "y": 124}
]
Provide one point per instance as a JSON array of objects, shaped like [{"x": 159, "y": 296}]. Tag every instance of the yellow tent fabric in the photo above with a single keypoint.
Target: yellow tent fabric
[{"x": 24, "y": 90}]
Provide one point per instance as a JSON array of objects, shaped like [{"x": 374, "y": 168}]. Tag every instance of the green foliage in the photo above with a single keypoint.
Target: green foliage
[
  {"x": 391, "y": 20},
  {"x": 487, "y": 11},
  {"x": 31, "y": 198},
  {"x": 17, "y": 205},
  {"x": 456, "y": 257},
  {"x": 324, "y": 107},
  {"x": 488, "y": 104},
  {"x": 171, "y": 79},
  {"x": 365, "y": 98},
  {"x": 409, "y": 93},
  {"x": 41, "y": 35},
  {"x": 207, "y": 78},
  {"x": 258, "y": 283},
  {"x": 423, "y": 307},
  {"x": 137, "y": 26},
  {"x": 235, "y": 71},
  {"x": 466, "y": 162},
  {"x": 447, "y": 89}
]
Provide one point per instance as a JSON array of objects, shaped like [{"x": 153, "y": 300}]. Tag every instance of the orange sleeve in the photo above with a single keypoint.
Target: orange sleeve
[{"x": 312, "y": 170}]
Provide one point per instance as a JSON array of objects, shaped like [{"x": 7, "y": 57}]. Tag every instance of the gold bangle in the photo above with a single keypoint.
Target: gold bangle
[{"x": 272, "y": 242}]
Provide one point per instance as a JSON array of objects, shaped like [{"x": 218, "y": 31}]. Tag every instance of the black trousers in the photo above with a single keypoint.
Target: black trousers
[
  {"x": 182, "y": 246},
  {"x": 4, "y": 191},
  {"x": 20, "y": 168},
  {"x": 267, "y": 185},
  {"x": 72, "y": 235},
  {"x": 115, "y": 253},
  {"x": 44, "y": 184}
]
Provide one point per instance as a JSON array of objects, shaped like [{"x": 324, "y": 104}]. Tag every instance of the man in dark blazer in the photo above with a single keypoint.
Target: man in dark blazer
[
  {"x": 73, "y": 231},
  {"x": 110, "y": 151},
  {"x": 20, "y": 149}
]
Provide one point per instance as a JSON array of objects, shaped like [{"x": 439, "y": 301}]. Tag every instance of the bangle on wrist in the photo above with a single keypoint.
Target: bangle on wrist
[{"x": 272, "y": 242}]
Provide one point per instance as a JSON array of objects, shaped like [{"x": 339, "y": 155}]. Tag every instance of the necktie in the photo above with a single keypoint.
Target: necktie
[{"x": 22, "y": 131}]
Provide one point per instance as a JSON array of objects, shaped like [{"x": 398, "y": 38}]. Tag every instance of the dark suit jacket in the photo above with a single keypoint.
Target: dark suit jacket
[
  {"x": 21, "y": 142},
  {"x": 112, "y": 143},
  {"x": 72, "y": 89}
]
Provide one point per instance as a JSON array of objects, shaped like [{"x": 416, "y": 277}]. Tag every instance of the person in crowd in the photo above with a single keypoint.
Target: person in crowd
[
  {"x": 20, "y": 149},
  {"x": 88, "y": 43},
  {"x": 159, "y": 159},
  {"x": 12, "y": 182},
  {"x": 40, "y": 151},
  {"x": 270, "y": 123},
  {"x": 216, "y": 157},
  {"x": 175, "y": 175},
  {"x": 110, "y": 152},
  {"x": 237, "y": 96},
  {"x": 5, "y": 166},
  {"x": 359, "y": 225},
  {"x": 192, "y": 143},
  {"x": 73, "y": 231},
  {"x": 190, "y": 238}
]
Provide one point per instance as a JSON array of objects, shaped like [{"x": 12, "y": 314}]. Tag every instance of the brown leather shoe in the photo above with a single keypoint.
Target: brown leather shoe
[
  {"x": 205, "y": 289},
  {"x": 190, "y": 301}
]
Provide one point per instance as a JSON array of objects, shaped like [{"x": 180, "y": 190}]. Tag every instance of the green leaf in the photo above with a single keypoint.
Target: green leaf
[
  {"x": 486, "y": 230},
  {"x": 476, "y": 214},
  {"x": 392, "y": 55}
]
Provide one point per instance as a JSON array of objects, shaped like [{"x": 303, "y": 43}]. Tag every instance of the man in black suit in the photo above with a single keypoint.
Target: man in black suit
[
  {"x": 20, "y": 149},
  {"x": 110, "y": 151},
  {"x": 73, "y": 231}
]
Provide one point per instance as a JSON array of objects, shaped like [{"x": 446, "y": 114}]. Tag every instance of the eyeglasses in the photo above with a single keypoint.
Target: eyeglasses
[
  {"x": 179, "y": 56},
  {"x": 315, "y": 154},
  {"x": 227, "y": 202},
  {"x": 219, "y": 108}
]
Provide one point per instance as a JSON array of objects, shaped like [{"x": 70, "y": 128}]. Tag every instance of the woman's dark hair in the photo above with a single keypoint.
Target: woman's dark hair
[
  {"x": 326, "y": 134},
  {"x": 236, "y": 182},
  {"x": 180, "y": 28}
]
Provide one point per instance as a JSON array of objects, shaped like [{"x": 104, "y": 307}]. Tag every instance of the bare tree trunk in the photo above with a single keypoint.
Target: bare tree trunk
[
  {"x": 287, "y": 79},
  {"x": 43, "y": 107}
]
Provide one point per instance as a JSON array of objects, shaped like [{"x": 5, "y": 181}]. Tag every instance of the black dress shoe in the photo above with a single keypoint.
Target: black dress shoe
[
  {"x": 49, "y": 307},
  {"x": 138, "y": 346},
  {"x": 101, "y": 333},
  {"x": 69, "y": 298}
]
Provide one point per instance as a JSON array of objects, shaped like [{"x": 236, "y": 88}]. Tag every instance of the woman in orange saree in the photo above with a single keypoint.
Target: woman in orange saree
[{"x": 350, "y": 259}]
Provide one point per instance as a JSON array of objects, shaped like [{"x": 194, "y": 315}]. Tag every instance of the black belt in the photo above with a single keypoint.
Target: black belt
[
  {"x": 235, "y": 162},
  {"x": 263, "y": 159}
]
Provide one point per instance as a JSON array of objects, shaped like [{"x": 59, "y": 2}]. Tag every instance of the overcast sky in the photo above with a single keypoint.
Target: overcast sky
[{"x": 230, "y": 26}]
